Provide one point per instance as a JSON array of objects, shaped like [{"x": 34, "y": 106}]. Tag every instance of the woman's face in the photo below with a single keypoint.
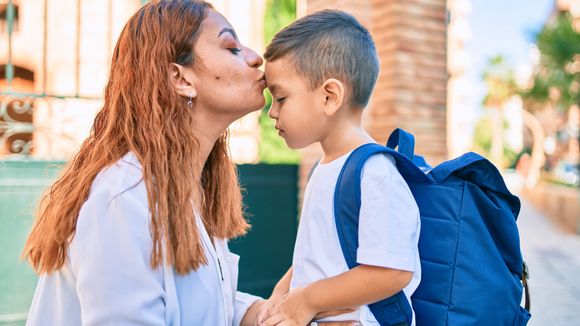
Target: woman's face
[{"x": 227, "y": 79}]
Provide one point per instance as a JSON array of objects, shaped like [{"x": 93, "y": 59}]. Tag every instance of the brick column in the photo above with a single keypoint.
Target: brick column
[
  {"x": 411, "y": 91},
  {"x": 411, "y": 39}
]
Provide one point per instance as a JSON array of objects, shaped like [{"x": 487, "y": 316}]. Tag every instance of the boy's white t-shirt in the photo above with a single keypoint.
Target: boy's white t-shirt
[{"x": 389, "y": 228}]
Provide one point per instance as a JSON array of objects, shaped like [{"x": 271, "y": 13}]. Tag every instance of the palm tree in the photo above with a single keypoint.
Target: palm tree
[
  {"x": 556, "y": 80},
  {"x": 501, "y": 87}
]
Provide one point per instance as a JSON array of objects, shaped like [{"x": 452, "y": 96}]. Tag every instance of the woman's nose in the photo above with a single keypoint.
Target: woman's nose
[{"x": 253, "y": 59}]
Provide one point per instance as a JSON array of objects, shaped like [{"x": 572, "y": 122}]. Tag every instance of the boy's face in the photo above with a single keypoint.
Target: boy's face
[{"x": 297, "y": 110}]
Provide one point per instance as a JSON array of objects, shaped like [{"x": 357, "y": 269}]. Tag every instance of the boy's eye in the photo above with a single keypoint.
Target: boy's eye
[
  {"x": 280, "y": 99},
  {"x": 234, "y": 50}
]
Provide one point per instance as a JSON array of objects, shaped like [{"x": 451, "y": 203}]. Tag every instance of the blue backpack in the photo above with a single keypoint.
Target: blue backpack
[{"x": 472, "y": 267}]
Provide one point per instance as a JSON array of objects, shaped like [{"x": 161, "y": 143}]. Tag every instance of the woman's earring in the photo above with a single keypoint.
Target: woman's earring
[{"x": 190, "y": 102}]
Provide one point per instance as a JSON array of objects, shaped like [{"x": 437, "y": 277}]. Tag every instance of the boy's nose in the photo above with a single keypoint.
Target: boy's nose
[
  {"x": 253, "y": 59},
  {"x": 272, "y": 112}
]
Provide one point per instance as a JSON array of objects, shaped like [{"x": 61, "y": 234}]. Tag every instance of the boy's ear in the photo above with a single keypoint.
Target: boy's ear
[
  {"x": 182, "y": 80},
  {"x": 333, "y": 91}
]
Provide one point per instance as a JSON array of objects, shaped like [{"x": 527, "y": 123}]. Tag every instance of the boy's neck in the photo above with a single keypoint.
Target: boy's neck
[{"x": 345, "y": 135}]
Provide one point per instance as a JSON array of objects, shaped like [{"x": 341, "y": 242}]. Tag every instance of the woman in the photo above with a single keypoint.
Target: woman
[{"x": 134, "y": 231}]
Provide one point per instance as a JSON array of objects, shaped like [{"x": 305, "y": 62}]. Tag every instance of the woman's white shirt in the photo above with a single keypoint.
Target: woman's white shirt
[{"x": 107, "y": 278}]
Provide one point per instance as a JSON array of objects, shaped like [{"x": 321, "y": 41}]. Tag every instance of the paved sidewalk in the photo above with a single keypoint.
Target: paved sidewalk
[{"x": 553, "y": 259}]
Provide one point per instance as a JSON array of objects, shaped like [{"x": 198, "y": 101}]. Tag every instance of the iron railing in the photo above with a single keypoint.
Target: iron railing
[{"x": 18, "y": 126}]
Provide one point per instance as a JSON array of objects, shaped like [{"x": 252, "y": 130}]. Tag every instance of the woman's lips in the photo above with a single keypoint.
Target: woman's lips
[{"x": 262, "y": 83}]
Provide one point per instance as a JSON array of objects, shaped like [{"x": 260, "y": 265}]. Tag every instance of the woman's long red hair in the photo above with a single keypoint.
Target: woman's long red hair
[{"x": 144, "y": 115}]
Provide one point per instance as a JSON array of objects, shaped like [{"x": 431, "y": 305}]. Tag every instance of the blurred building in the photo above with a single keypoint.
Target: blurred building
[
  {"x": 562, "y": 126},
  {"x": 571, "y": 123},
  {"x": 58, "y": 53},
  {"x": 54, "y": 70},
  {"x": 557, "y": 194},
  {"x": 459, "y": 87},
  {"x": 54, "y": 63}
]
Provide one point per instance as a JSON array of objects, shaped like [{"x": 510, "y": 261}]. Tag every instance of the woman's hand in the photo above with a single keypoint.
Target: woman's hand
[
  {"x": 251, "y": 316},
  {"x": 279, "y": 305},
  {"x": 266, "y": 307}
]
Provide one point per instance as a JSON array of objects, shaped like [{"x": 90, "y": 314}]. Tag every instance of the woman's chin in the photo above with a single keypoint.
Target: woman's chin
[
  {"x": 262, "y": 102},
  {"x": 258, "y": 105}
]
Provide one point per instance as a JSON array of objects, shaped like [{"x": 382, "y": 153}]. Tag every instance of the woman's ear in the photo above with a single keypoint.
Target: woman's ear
[
  {"x": 182, "y": 80},
  {"x": 333, "y": 91}
]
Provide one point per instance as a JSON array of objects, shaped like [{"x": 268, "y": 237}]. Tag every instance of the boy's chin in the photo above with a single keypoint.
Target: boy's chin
[
  {"x": 294, "y": 143},
  {"x": 295, "y": 146}
]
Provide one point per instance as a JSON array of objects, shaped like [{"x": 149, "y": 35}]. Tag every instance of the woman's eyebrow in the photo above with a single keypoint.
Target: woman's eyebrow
[{"x": 228, "y": 30}]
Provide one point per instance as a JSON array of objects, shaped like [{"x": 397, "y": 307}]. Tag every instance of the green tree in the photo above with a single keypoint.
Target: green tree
[
  {"x": 279, "y": 13},
  {"x": 501, "y": 87},
  {"x": 483, "y": 137},
  {"x": 556, "y": 79}
]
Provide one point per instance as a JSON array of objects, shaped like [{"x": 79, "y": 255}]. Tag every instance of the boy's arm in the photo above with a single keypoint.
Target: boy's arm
[
  {"x": 280, "y": 290},
  {"x": 283, "y": 285},
  {"x": 361, "y": 285}
]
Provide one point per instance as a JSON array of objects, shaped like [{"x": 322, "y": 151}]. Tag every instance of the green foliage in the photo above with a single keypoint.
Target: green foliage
[
  {"x": 559, "y": 43},
  {"x": 279, "y": 14},
  {"x": 500, "y": 81},
  {"x": 501, "y": 85},
  {"x": 273, "y": 149},
  {"x": 557, "y": 78},
  {"x": 483, "y": 138}
]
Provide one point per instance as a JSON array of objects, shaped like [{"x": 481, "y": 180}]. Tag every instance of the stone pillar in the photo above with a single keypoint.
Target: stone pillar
[
  {"x": 411, "y": 39},
  {"x": 460, "y": 89},
  {"x": 411, "y": 92}
]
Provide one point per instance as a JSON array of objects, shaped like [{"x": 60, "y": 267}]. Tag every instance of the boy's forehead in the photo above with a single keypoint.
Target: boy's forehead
[
  {"x": 275, "y": 67},
  {"x": 275, "y": 73},
  {"x": 279, "y": 70}
]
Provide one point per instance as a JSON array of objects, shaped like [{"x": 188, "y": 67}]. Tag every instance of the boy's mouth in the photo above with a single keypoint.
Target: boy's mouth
[{"x": 280, "y": 130}]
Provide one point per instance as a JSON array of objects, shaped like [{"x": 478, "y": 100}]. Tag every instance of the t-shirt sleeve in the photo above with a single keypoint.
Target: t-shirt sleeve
[{"x": 389, "y": 218}]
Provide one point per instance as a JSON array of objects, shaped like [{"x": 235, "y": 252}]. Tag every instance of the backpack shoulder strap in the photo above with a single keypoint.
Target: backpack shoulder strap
[
  {"x": 395, "y": 310},
  {"x": 404, "y": 141},
  {"x": 347, "y": 199}
]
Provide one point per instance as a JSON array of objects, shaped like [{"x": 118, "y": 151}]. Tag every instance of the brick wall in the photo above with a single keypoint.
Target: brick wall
[{"x": 411, "y": 39}]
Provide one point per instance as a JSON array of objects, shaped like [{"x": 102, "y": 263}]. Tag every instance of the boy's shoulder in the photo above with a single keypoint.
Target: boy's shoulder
[
  {"x": 380, "y": 165},
  {"x": 380, "y": 176}
]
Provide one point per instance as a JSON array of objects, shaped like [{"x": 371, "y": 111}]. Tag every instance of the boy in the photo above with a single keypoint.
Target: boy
[{"x": 321, "y": 71}]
